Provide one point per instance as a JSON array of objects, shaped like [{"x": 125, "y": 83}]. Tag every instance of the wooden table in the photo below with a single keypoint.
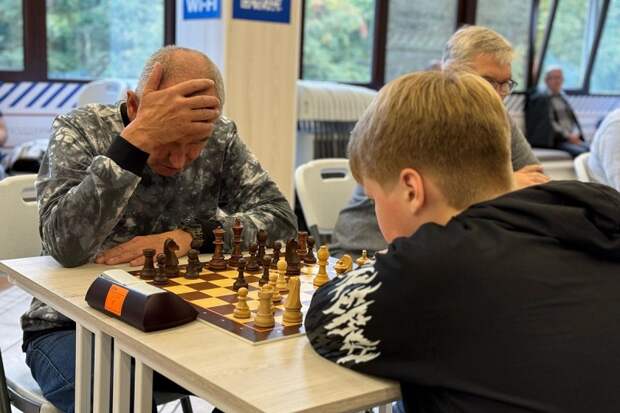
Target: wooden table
[{"x": 282, "y": 376}]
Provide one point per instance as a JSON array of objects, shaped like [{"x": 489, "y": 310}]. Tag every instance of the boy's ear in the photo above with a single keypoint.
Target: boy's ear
[
  {"x": 413, "y": 189},
  {"x": 132, "y": 105}
]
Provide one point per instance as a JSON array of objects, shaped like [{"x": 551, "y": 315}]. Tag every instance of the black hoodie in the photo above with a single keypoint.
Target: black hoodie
[{"x": 513, "y": 306}]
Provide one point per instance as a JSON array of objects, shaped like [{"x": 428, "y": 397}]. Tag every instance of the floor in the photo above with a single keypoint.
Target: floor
[{"x": 13, "y": 303}]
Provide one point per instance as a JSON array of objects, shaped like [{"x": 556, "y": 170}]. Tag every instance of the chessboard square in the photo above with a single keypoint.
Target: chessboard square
[
  {"x": 225, "y": 283},
  {"x": 212, "y": 276},
  {"x": 223, "y": 309},
  {"x": 253, "y": 294},
  {"x": 217, "y": 292},
  {"x": 194, "y": 295},
  {"x": 185, "y": 281},
  {"x": 253, "y": 305},
  {"x": 179, "y": 289},
  {"x": 209, "y": 302},
  {"x": 238, "y": 320},
  {"x": 252, "y": 278},
  {"x": 202, "y": 286},
  {"x": 230, "y": 298}
]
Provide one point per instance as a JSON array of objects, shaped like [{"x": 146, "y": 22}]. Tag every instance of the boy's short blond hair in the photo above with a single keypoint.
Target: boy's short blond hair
[{"x": 449, "y": 126}]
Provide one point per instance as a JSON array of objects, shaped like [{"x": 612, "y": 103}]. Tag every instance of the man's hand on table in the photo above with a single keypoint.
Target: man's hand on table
[
  {"x": 530, "y": 175},
  {"x": 185, "y": 113},
  {"x": 131, "y": 251}
]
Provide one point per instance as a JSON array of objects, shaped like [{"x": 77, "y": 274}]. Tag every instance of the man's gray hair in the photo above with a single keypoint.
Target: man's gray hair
[
  {"x": 163, "y": 56},
  {"x": 553, "y": 68},
  {"x": 470, "y": 41}
]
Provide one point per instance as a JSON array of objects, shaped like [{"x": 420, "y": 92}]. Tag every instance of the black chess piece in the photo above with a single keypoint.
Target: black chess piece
[
  {"x": 310, "y": 258},
  {"x": 160, "y": 275},
  {"x": 253, "y": 266},
  {"x": 194, "y": 266},
  {"x": 171, "y": 266},
  {"x": 236, "y": 255},
  {"x": 261, "y": 240},
  {"x": 148, "y": 271},
  {"x": 218, "y": 263},
  {"x": 277, "y": 250},
  {"x": 293, "y": 262},
  {"x": 240, "y": 281},
  {"x": 265, "y": 278},
  {"x": 302, "y": 238}
]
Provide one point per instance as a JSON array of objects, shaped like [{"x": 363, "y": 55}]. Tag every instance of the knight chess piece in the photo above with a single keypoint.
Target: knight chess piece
[
  {"x": 171, "y": 266},
  {"x": 293, "y": 262},
  {"x": 277, "y": 250},
  {"x": 160, "y": 274},
  {"x": 361, "y": 261},
  {"x": 236, "y": 255},
  {"x": 281, "y": 283},
  {"x": 261, "y": 240},
  {"x": 302, "y": 247},
  {"x": 310, "y": 258},
  {"x": 321, "y": 277},
  {"x": 292, "y": 307},
  {"x": 194, "y": 266},
  {"x": 241, "y": 308},
  {"x": 218, "y": 262},
  {"x": 265, "y": 278},
  {"x": 264, "y": 315},
  {"x": 148, "y": 271},
  {"x": 344, "y": 264},
  {"x": 240, "y": 281},
  {"x": 253, "y": 266}
]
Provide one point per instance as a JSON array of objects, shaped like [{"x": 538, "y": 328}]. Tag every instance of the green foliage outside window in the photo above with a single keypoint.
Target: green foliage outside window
[{"x": 11, "y": 35}]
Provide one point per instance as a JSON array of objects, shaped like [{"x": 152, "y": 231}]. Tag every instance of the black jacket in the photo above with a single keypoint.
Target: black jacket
[
  {"x": 538, "y": 117},
  {"x": 513, "y": 306}
]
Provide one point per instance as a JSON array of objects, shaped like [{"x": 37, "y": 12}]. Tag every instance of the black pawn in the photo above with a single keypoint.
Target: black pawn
[
  {"x": 160, "y": 275},
  {"x": 310, "y": 258},
  {"x": 265, "y": 278},
  {"x": 277, "y": 250},
  {"x": 194, "y": 266},
  {"x": 240, "y": 281},
  {"x": 253, "y": 265}
]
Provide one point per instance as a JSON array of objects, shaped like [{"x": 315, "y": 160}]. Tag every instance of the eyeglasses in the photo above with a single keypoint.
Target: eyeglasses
[{"x": 503, "y": 88}]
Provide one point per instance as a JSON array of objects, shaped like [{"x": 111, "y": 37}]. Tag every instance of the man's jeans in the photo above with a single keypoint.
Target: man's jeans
[{"x": 51, "y": 359}]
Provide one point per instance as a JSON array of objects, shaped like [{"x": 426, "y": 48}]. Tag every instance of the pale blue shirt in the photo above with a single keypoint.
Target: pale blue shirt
[{"x": 604, "y": 161}]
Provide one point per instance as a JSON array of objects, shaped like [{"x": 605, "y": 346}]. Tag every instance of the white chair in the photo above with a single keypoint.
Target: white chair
[
  {"x": 106, "y": 91},
  {"x": 19, "y": 218},
  {"x": 324, "y": 187},
  {"x": 581, "y": 167}
]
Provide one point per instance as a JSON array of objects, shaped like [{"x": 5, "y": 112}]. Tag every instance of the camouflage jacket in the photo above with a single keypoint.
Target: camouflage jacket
[{"x": 88, "y": 203}]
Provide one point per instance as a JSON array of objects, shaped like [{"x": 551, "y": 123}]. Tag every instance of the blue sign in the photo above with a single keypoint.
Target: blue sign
[
  {"x": 202, "y": 9},
  {"x": 278, "y": 11}
]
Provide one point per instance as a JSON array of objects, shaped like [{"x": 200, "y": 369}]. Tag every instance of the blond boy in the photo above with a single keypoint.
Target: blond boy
[{"x": 488, "y": 299}]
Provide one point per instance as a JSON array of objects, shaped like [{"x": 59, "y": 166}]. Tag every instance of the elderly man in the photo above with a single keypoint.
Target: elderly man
[
  {"x": 488, "y": 54},
  {"x": 551, "y": 120},
  {"x": 121, "y": 178}
]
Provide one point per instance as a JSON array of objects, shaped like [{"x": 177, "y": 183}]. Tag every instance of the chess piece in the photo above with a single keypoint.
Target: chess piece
[
  {"x": 275, "y": 297},
  {"x": 321, "y": 277},
  {"x": 361, "y": 261},
  {"x": 293, "y": 263},
  {"x": 261, "y": 240},
  {"x": 264, "y": 315},
  {"x": 310, "y": 258},
  {"x": 236, "y": 255},
  {"x": 344, "y": 264},
  {"x": 302, "y": 248},
  {"x": 281, "y": 284},
  {"x": 292, "y": 307},
  {"x": 171, "y": 266},
  {"x": 265, "y": 278},
  {"x": 160, "y": 274},
  {"x": 277, "y": 250},
  {"x": 148, "y": 271},
  {"x": 218, "y": 263},
  {"x": 253, "y": 266},
  {"x": 194, "y": 266},
  {"x": 240, "y": 282},
  {"x": 241, "y": 308}
]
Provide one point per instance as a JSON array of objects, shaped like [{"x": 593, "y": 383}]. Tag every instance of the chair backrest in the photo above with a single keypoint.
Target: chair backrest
[
  {"x": 324, "y": 187},
  {"x": 581, "y": 167},
  {"x": 19, "y": 218},
  {"x": 106, "y": 91}
]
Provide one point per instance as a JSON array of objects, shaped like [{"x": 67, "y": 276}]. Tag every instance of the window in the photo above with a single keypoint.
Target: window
[
  {"x": 11, "y": 35},
  {"x": 417, "y": 34},
  {"x": 102, "y": 38},
  {"x": 512, "y": 20},
  {"x": 605, "y": 77},
  {"x": 338, "y": 40}
]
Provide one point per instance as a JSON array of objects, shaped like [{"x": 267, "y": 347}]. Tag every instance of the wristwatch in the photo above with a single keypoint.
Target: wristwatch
[{"x": 193, "y": 227}]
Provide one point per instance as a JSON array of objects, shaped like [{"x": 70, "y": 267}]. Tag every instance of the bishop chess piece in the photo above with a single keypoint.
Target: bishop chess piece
[
  {"x": 281, "y": 283},
  {"x": 275, "y": 297},
  {"x": 321, "y": 277},
  {"x": 277, "y": 250},
  {"x": 218, "y": 262},
  {"x": 292, "y": 306},
  {"x": 160, "y": 274},
  {"x": 241, "y": 308},
  {"x": 293, "y": 263},
  {"x": 310, "y": 258},
  {"x": 171, "y": 267},
  {"x": 265, "y": 278},
  {"x": 194, "y": 266},
  {"x": 253, "y": 266},
  {"x": 261, "y": 240},
  {"x": 240, "y": 282},
  {"x": 148, "y": 271},
  {"x": 302, "y": 247},
  {"x": 361, "y": 261},
  {"x": 264, "y": 315},
  {"x": 236, "y": 255}
]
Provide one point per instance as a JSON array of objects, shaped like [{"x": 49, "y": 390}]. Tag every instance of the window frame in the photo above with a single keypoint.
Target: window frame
[{"x": 35, "y": 42}]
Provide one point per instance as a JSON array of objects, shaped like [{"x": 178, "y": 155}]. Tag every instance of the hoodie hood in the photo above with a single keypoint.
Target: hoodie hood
[{"x": 584, "y": 216}]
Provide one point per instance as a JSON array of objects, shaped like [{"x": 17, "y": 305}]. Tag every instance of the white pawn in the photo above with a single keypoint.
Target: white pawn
[
  {"x": 281, "y": 284},
  {"x": 241, "y": 309},
  {"x": 276, "y": 297}
]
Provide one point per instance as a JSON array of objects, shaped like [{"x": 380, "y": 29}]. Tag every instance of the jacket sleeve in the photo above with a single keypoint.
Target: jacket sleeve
[
  {"x": 521, "y": 151},
  {"x": 248, "y": 193},
  {"x": 81, "y": 195}
]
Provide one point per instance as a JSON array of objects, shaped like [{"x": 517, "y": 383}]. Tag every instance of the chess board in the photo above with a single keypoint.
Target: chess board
[{"x": 212, "y": 295}]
